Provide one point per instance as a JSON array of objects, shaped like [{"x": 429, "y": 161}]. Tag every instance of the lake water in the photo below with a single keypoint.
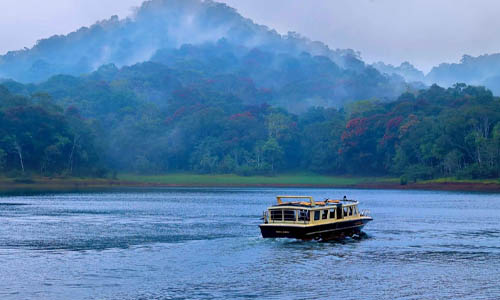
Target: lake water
[{"x": 205, "y": 244}]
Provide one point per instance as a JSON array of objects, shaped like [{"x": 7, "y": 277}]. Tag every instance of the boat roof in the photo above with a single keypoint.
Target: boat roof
[{"x": 311, "y": 202}]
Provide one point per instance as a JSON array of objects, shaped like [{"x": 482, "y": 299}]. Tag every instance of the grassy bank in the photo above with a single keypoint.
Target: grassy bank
[
  {"x": 38, "y": 183},
  {"x": 454, "y": 180},
  {"x": 235, "y": 180},
  {"x": 282, "y": 180}
]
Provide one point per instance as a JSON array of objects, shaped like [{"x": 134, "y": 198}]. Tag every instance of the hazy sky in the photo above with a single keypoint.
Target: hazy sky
[{"x": 424, "y": 32}]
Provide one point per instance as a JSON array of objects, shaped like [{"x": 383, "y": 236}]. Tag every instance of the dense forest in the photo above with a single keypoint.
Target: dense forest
[
  {"x": 38, "y": 136},
  {"x": 432, "y": 133},
  {"x": 191, "y": 85}
]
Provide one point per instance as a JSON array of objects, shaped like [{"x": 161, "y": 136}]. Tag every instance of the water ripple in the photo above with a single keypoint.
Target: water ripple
[{"x": 205, "y": 244}]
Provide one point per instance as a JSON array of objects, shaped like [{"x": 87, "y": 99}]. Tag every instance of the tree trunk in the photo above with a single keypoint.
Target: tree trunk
[
  {"x": 20, "y": 154},
  {"x": 257, "y": 152},
  {"x": 486, "y": 124},
  {"x": 71, "y": 155},
  {"x": 478, "y": 151}
]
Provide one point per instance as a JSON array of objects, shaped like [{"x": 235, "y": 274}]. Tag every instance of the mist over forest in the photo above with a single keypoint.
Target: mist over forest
[
  {"x": 483, "y": 70},
  {"x": 190, "y": 85}
]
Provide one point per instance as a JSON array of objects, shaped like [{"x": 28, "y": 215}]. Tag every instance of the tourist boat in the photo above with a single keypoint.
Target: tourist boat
[{"x": 318, "y": 220}]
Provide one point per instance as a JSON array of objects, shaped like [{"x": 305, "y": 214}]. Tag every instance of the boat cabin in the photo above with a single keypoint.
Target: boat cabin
[{"x": 311, "y": 212}]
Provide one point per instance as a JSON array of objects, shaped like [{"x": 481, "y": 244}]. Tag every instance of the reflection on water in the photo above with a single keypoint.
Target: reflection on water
[{"x": 205, "y": 244}]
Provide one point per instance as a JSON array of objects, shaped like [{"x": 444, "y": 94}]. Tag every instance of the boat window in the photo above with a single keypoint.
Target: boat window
[
  {"x": 325, "y": 214},
  {"x": 316, "y": 215},
  {"x": 303, "y": 215},
  {"x": 332, "y": 213},
  {"x": 289, "y": 215},
  {"x": 276, "y": 215}
]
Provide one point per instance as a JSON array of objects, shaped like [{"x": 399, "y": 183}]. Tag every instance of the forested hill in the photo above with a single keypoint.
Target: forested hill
[
  {"x": 191, "y": 85},
  {"x": 253, "y": 75},
  {"x": 405, "y": 70},
  {"x": 433, "y": 133},
  {"x": 212, "y": 43},
  {"x": 157, "y": 24},
  {"x": 480, "y": 70}
]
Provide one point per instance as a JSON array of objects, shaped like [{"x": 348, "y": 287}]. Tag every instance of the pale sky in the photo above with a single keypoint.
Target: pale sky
[{"x": 424, "y": 32}]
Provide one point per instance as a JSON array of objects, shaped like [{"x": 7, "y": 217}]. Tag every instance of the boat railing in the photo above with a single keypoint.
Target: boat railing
[
  {"x": 349, "y": 200},
  {"x": 311, "y": 200},
  {"x": 287, "y": 221},
  {"x": 365, "y": 213},
  {"x": 265, "y": 217}
]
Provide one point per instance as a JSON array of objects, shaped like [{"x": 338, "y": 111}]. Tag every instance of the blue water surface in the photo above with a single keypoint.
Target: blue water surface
[{"x": 204, "y": 243}]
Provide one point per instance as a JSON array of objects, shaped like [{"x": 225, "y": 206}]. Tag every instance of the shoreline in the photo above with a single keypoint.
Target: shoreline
[{"x": 67, "y": 184}]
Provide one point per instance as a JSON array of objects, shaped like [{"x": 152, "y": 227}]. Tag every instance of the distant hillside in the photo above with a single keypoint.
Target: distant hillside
[
  {"x": 157, "y": 24},
  {"x": 253, "y": 75},
  {"x": 405, "y": 70},
  {"x": 204, "y": 43},
  {"x": 481, "y": 70},
  {"x": 214, "y": 40}
]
